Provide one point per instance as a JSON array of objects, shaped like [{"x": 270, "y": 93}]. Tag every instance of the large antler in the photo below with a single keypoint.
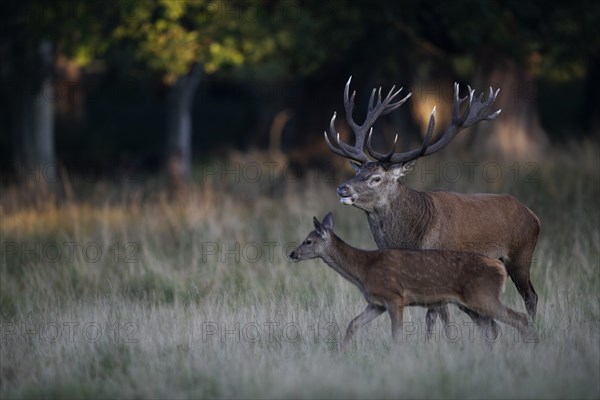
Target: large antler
[
  {"x": 377, "y": 108},
  {"x": 476, "y": 110}
]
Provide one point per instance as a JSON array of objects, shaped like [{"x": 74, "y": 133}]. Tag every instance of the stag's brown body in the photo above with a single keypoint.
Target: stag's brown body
[
  {"x": 497, "y": 226},
  {"x": 391, "y": 279}
]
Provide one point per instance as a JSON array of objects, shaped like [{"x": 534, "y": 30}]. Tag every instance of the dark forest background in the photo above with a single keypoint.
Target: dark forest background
[{"x": 161, "y": 85}]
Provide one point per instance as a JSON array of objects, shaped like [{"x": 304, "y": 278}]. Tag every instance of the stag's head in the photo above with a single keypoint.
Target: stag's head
[
  {"x": 377, "y": 174},
  {"x": 372, "y": 184},
  {"x": 317, "y": 242}
]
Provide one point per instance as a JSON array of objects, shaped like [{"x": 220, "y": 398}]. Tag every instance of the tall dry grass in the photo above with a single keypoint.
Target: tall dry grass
[{"x": 194, "y": 296}]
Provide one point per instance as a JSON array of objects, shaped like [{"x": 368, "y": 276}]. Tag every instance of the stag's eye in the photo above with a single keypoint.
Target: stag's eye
[{"x": 376, "y": 179}]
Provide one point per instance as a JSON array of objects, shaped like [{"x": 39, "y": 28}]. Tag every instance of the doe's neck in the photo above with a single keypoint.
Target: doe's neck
[{"x": 348, "y": 261}]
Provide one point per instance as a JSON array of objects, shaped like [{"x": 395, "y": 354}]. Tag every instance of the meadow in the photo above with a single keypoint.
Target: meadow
[{"x": 123, "y": 290}]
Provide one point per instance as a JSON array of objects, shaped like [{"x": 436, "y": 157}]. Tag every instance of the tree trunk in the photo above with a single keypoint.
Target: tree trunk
[
  {"x": 38, "y": 128},
  {"x": 516, "y": 134},
  {"x": 34, "y": 127},
  {"x": 592, "y": 103},
  {"x": 179, "y": 128}
]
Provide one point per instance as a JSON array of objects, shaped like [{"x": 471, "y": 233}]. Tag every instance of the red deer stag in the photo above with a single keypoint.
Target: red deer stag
[
  {"x": 497, "y": 226},
  {"x": 391, "y": 279}
]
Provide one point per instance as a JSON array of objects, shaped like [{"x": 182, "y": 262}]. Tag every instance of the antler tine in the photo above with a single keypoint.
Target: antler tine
[
  {"x": 332, "y": 132},
  {"x": 342, "y": 149},
  {"x": 392, "y": 106},
  {"x": 476, "y": 110},
  {"x": 414, "y": 154},
  {"x": 429, "y": 134},
  {"x": 492, "y": 97},
  {"x": 380, "y": 156},
  {"x": 457, "y": 121},
  {"x": 383, "y": 107},
  {"x": 378, "y": 106},
  {"x": 462, "y": 118},
  {"x": 349, "y": 105},
  {"x": 455, "y": 103},
  {"x": 332, "y": 147},
  {"x": 493, "y": 116},
  {"x": 481, "y": 109},
  {"x": 372, "y": 99}
]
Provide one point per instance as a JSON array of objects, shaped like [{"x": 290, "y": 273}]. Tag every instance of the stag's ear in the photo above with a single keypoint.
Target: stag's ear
[
  {"x": 328, "y": 221},
  {"x": 399, "y": 170},
  {"x": 355, "y": 166}
]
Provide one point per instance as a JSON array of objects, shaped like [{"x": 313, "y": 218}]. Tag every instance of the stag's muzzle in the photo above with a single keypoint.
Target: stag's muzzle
[{"x": 345, "y": 195}]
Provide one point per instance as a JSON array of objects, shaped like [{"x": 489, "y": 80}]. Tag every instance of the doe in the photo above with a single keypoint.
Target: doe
[{"x": 391, "y": 279}]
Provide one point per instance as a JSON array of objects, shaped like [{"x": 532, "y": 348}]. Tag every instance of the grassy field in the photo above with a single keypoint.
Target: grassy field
[{"x": 122, "y": 291}]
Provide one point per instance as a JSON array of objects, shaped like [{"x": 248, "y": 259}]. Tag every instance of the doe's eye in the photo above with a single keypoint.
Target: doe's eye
[{"x": 308, "y": 241}]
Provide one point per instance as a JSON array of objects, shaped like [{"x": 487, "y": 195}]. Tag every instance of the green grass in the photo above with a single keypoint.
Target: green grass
[{"x": 195, "y": 298}]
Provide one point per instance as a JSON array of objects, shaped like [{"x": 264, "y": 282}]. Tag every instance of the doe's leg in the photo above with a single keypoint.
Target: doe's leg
[
  {"x": 396, "y": 314},
  {"x": 513, "y": 318},
  {"x": 369, "y": 314},
  {"x": 486, "y": 326}
]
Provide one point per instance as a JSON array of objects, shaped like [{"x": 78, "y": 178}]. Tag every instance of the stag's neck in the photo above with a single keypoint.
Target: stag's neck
[
  {"x": 403, "y": 219},
  {"x": 346, "y": 260}
]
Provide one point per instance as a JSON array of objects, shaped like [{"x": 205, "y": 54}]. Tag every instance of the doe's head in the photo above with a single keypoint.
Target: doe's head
[{"x": 316, "y": 242}]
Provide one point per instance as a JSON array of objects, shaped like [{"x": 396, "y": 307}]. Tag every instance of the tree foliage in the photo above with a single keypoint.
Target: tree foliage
[
  {"x": 290, "y": 40},
  {"x": 170, "y": 36}
]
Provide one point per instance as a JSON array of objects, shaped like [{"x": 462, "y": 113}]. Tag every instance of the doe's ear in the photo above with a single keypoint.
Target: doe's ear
[
  {"x": 355, "y": 166},
  {"x": 399, "y": 170},
  {"x": 328, "y": 221},
  {"x": 318, "y": 227}
]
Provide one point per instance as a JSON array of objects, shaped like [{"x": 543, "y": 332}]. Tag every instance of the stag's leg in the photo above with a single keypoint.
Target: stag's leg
[
  {"x": 369, "y": 314},
  {"x": 431, "y": 316},
  {"x": 518, "y": 270},
  {"x": 487, "y": 326},
  {"x": 496, "y": 310},
  {"x": 396, "y": 314}
]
